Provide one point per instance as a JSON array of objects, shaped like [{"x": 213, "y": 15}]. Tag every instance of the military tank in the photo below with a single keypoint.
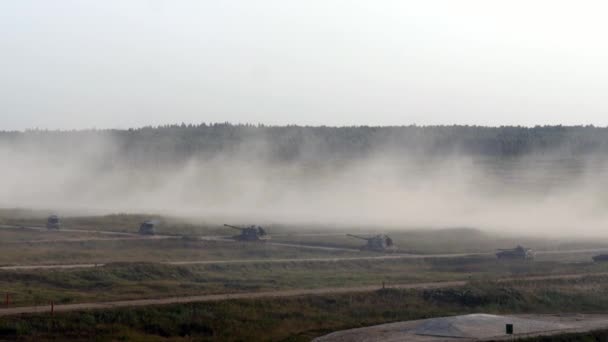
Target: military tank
[
  {"x": 53, "y": 222},
  {"x": 148, "y": 228},
  {"x": 517, "y": 253},
  {"x": 251, "y": 233},
  {"x": 378, "y": 243},
  {"x": 600, "y": 258}
]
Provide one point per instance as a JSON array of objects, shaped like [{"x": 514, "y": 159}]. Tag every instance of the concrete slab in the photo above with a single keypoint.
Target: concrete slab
[{"x": 473, "y": 327}]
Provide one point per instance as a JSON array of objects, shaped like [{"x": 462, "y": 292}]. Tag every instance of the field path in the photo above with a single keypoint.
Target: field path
[
  {"x": 286, "y": 260},
  {"x": 253, "y": 261},
  {"x": 217, "y": 297},
  {"x": 266, "y": 294},
  {"x": 113, "y": 236},
  {"x": 39, "y": 228}
]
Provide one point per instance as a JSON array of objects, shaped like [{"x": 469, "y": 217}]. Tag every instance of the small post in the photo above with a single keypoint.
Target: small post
[
  {"x": 52, "y": 308},
  {"x": 7, "y": 300},
  {"x": 509, "y": 329},
  {"x": 383, "y": 285}
]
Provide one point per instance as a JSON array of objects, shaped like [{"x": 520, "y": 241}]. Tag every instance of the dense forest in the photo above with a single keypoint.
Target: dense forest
[{"x": 177, "y": 143}]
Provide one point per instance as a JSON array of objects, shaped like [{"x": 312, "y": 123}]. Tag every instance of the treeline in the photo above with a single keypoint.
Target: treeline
[{"x": 288, "y": 143}]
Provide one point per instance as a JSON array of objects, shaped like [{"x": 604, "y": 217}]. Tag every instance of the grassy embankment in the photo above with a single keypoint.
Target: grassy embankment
[
  {"x": 145, "y": 280},
  {"x": 302, "y": 318}
]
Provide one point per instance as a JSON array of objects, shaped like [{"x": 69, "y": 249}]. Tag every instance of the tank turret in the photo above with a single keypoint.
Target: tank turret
[
  {"x": 251, "y": 233},
  {"x": 376, "y": 243}
]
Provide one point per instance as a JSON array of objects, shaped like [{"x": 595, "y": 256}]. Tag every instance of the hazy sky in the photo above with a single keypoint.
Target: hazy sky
[{"x": 117, "y": 63}]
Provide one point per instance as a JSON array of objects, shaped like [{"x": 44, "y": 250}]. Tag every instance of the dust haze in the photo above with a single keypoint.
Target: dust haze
[{"x": 535, "y": 194}]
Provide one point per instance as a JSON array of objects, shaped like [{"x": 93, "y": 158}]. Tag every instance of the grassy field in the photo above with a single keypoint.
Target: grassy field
[
  {"x": 134, "y": 270},
  {"x": 124, "y": 223},
  {"x": 411, "y": 240},
  {"x": 120, "y": 281},
  {"x": 455, "y": 240},
  {"x": 17, "y": 235},
  {"x": 302, "y": 318},
  {"x": 152, "y": 250},
  {"x": 17, "y": 251}
]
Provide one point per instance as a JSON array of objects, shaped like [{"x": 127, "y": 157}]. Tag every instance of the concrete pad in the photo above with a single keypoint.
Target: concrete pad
[{"x": 473, "y": 327}]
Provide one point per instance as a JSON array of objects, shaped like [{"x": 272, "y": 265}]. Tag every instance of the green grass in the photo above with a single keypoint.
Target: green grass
[
  {"x": 440, "y": 241},
  {"x": 151, "y": 250},
  {"x": 302, "y": 318},
  {"x": 125, "y": 223},
  {"x": 118, "y": 281},
  {"x": 134, "y": 272},
  {"x": 18, "y": 235}
]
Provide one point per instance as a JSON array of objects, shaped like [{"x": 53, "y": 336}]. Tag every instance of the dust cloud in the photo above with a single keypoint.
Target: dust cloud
[{"x": 532, "y": 194}]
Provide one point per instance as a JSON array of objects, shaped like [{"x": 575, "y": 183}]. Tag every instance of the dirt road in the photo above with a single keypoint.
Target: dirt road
[
  {"x": 228, "y": 238},
  {"x": 261, "y": 261},
  {"x": 251, "y": 261},
  {"x": 322, "y": 248},
  {"x": 86, "y": 239},
  {"x": 269, "y": 294},
  {"x": 218, "y": 297},
  {"x": 224, "y": 238},
  {"x": 105, "y": 232},
  {"x": 113, "y": 236}
]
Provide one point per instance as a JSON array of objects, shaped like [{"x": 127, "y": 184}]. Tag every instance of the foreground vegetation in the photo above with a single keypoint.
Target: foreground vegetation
[
  {"x": 120, "y": 281},
  {"x": 302, "y": 318},
  {"x": 135, "y": 269}
]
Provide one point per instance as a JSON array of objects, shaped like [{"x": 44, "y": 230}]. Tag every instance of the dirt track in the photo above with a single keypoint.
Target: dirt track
[
  {"x": 105, "y": 232},
  {"x": 113, "y": 236},
  {"x": 218, "y": 297},
  {"x": 254, "y": 295},
  {"x": 135, "y": 236},
  {"x": 260, "y": 261},
  {"x": 251, "y": 261}
]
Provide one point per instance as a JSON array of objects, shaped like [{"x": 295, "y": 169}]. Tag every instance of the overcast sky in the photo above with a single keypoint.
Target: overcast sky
[{"x": 116, "y": 63}]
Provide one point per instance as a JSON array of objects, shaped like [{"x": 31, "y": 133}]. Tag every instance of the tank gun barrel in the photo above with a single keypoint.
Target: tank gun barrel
[
  {"x": 233, "y": 227},
  {"x": 359, "y": 237}
]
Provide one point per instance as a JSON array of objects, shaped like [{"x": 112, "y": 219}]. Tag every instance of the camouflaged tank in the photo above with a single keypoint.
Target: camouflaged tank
[
  {"x": 148, "y": 228},
  {"x": 53, "y": 222},
  {"x": 517, "y": 253},
  {"x": 251, "y": 233}
]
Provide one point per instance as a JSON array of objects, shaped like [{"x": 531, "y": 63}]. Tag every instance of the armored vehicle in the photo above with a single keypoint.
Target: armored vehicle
[
  {"x": 251, "y": 233},
  {"x": 516, "y": 253},
  {"x": 601, "y": 258},
  {"x": 53, "y": 222},
  {"x": 376, "y": 243},
  {"x": 148, "y": 228}
]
